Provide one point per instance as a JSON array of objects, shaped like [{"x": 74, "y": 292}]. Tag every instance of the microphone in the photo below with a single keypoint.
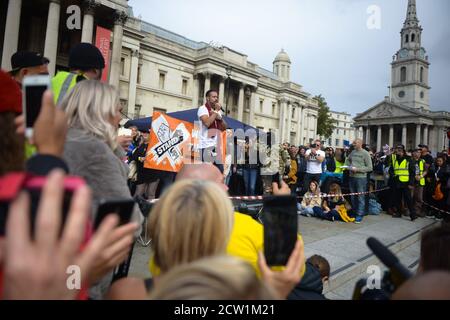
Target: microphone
[{"x": 399, "y": 273}]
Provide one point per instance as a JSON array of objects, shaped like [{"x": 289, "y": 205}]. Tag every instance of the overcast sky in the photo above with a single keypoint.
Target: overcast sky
[{"x": 332, "y": 50}]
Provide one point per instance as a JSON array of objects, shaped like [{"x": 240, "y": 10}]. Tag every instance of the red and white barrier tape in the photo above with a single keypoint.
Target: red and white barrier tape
[{"x": 437, "y": 209}]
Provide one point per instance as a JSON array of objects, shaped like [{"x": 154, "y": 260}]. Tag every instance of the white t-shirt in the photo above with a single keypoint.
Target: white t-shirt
[
  {"x": 313, "y": 166},
  {"x": 203, "y": 140}
]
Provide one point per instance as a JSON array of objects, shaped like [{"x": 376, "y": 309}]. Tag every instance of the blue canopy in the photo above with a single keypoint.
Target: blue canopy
[{"x": 190, "y": 115}]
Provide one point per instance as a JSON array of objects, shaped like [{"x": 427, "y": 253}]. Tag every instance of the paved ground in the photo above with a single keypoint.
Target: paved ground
[{"x": 344, "y": 245}]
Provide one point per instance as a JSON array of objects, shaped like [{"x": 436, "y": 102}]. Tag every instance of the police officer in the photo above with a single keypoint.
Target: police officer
[
  {"x": 403, "y": 172},
  {"x": 420, "y": 172},
  {"x": 85, "y": 62}
]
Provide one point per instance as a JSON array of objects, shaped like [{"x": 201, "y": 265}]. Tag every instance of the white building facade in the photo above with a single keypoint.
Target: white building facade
[{"x": 344, "y": 132}]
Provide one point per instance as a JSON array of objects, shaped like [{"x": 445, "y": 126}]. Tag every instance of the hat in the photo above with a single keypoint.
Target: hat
[
  {"x": 423, "y": 146},
  {"x": 417, "y": 150},
  {"x": 86, "y": 56},
  {"x": 26, "y": 59},
  {"x": 10, "y": 94},
  {"x": 400, "y": 146}
]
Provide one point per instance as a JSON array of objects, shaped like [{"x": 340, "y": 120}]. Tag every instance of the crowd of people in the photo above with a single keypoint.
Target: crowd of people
[{"x": 202, "y": 247}]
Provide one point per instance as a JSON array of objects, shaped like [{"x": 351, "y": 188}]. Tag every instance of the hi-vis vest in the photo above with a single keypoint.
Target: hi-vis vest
[
  {"x": 62, "y": 84},
  {"x": 401, "y": 170},
  {"x": 421, "y": 165},
  {"x": 338, "y": 167}
]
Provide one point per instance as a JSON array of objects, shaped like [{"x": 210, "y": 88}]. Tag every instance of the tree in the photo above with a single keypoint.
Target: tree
[{"x": 325, "y": 123}]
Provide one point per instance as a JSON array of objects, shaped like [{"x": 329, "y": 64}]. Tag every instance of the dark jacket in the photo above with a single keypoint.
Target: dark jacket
[
  {"x": 330, "y": 163},
  {"x": 310, "y": 287}
]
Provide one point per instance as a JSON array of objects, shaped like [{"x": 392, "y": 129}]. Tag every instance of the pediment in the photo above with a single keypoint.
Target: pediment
[{"x": 387, "y": 110}]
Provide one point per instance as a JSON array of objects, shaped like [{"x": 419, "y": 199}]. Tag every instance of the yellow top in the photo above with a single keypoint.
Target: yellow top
[{"x": 246, "y": 240}]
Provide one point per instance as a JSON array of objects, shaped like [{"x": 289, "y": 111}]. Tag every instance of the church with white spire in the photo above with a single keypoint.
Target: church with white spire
[{"x": 404, "y": 117}]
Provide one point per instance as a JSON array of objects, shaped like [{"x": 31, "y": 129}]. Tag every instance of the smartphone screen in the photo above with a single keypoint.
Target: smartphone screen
[
  {"x": 123, "y": 208},
  {"x": 280, "y": 228},
  {"x": 33, "y": 101}
]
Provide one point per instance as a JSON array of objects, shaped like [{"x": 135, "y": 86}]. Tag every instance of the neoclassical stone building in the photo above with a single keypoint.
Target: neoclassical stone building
[
  {"x": 156, "y": 69},
  {"x": 405, "y": 116}
]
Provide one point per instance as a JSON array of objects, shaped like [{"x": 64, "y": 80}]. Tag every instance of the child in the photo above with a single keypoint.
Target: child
[
  {"x": 310, "y": 200},
  {"x": 317, "y": 272}
]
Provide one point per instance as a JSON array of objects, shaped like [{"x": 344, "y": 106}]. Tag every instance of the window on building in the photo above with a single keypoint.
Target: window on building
[
  {"x": 159, "y": 110},
  {"x": 421, "y": 74},
  {"x": 403, "y": 74},
  {"x": 337, "y": 131},
  {"x": 338, "y": 116},
  {"x": 122, "y": 66},
  {"x": 162, "y": 80},
  {"x": 139, "y": 73},
  {"x": 137, "y": 111},
  {"x": 261, "y": 106},
  {"x": 413, "y": 37},
  {"x": 345, "y": 132},
  {"x": 184, "y": 86},
  {"x": 407, "y": 38},
  {"x": 274, "y": 108},
  {"x": 293, "y": 113},
  {"x": 337, "y": 142}
]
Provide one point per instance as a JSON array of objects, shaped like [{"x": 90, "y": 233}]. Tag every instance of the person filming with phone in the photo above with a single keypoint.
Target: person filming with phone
[
  {"x": 212, "y": 122},
  {"x": 314, "y": 158}
]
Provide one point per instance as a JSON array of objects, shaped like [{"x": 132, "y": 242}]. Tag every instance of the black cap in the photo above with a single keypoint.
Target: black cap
[
  {"x": 86, "y": 56},
  {"x": 423, "y": 146},
  {"x": 400, "y": 146},
  {"x": 27, "y": 59}
]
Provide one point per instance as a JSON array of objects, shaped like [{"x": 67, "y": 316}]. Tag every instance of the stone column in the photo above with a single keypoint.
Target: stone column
[
  {"x": 314, "y": 126},
  {"x": 241, "y": 103},
  {"x": 195, "y": 91},
  {"x": 222, "y": 92},
  {"x": 404, "y": 135},
  {"x": 11, "y": 39},
  {"x": 391, "y": 135},
  {"x": 114, "y": 75},
  {"x": 289, "y": 108},
  {"x": 379, "y": 138},
  {"x": 88, "y": 21},
  {"x": 425, "y": 135},
  {"x": 300, "y": 126},
  {"x": 51, "y": 35},
  {"x": 281, "y": 120},
  {"x": 207, "y": 82},
  {"x": 306, "y": 131},
  {"x": 361, "y": 132},
  {"x": 418, "y": 134},
  {"x": 252, "y": 107},
  {"x": 368, "y": 135},
  {"x": 133, "y": 81}
]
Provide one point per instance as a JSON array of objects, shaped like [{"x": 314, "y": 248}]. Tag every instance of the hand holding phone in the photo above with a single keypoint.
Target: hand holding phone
[
  {"x": 123, "y": 208},
  {"x": 280, "y": 228},
  {"x": 33, "y": 89}
]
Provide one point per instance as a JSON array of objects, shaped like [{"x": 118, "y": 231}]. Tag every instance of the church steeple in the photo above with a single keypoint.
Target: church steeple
[
  {"x": 411, "y": 15},
  {"x": 411, "y": 31},
  {"x": 410, "y": 67}
]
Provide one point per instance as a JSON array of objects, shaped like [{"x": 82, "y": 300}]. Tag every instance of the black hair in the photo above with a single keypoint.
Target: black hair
[{"x": 209, "y": 92}]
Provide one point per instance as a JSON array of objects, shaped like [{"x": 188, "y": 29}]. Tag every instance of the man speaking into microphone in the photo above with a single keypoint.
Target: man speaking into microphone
[{"x": 211, "y": 124}]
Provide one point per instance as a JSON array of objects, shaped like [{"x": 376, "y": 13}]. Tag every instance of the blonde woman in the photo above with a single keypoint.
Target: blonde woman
[
  {"x": 92, "y": 152},
  {"x": 192, "y": 220},
  {"x": 213, "y": 278}
]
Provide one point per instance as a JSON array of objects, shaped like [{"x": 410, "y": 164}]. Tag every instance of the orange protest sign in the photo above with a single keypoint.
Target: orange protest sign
[{"x": 170, "y": 143}]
